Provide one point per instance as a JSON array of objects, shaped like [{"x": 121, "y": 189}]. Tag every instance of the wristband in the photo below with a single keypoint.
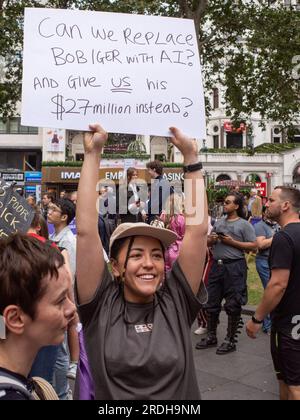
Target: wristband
[
  {"x": 256, "y": 321},
  {"x": 192, "y": 168}
]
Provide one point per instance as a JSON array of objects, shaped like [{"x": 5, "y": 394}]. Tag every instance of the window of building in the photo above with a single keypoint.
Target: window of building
[
  {"x": 21, "y": 159},
  {"x": 296, "y": 175},
  {"x": 2, "y": 127},
  {"x": 13, "y": 126},
  {"x": 277, "y": 135},
  {"x": 161, "y": 157},
  {"x": 297, "y": 138},
  {"x": 216, "y": 142},
  {"x": 223, "y": 177},
  {"x": 79, "y": 157},
  {"x": 30, "y": 161},
  {"x": 215, "y": 98},
  {"x": 118, "y": 143},
  {"x": 253, "y": 178},
  {"x": 234, "y": 140}
]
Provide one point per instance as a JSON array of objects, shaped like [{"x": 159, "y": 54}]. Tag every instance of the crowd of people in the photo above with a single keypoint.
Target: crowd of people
[{"x": 138, "y": 291}]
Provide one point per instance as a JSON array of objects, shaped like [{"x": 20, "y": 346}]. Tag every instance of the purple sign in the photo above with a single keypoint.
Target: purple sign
[{"x": 72, "y": 226}]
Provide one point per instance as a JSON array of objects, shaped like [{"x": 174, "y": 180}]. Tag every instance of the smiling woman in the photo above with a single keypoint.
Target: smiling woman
[
  {"x": 141, "y": 258},
  {"x": 137, "y": 327}
]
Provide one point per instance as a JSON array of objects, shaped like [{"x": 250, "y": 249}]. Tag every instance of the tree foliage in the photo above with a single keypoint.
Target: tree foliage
[{"x": 249, "y": 47}]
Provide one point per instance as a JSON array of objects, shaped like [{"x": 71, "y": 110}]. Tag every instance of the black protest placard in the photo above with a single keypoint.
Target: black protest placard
[{"x": 15, "y": 214}]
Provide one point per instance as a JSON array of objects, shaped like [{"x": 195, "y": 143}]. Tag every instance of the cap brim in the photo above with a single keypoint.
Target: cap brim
[{"x": 165, "y": 236}]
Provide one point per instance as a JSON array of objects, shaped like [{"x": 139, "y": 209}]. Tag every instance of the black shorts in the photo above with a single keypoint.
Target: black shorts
[{"x": 286, "y": 358}]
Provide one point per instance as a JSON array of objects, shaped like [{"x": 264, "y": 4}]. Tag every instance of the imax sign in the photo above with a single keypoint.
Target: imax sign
[{"x": 70, "y": 175}]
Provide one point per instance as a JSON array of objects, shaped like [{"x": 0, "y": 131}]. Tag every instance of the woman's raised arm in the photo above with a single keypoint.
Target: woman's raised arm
[
  {"x": 90, "y": 261},
  {"x": 193, "y": 249}
]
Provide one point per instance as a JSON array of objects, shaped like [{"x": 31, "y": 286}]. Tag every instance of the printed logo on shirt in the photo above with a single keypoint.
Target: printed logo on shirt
[
  {"x": 296, "y": 329},
  {"x": 143, "y": 328},
  {"x": 2, "y": 328}
]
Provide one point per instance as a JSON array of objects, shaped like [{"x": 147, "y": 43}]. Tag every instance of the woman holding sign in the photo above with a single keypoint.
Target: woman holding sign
[{"x": 137, "y": 324}]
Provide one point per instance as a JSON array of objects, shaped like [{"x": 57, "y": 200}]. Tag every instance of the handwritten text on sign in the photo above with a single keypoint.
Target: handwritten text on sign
[
  {"x": 15, "y": 214},
  {"x": 134, "y": 74}
]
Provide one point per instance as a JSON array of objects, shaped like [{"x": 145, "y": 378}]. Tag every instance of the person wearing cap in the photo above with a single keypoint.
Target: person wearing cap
[{"x": 137, "y": 325}]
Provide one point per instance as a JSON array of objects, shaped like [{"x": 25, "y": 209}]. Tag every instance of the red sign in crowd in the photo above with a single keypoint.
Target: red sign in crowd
[{"x": 261, "y": 188}]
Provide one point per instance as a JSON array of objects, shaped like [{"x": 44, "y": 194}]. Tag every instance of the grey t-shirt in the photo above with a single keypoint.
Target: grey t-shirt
[
  {"x": 142, "y": 351},
  {"x": 240, "y": 230}
]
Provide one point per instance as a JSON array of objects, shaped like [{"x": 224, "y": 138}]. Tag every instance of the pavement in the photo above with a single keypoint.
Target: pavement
[{"x": 246, "y": 374}]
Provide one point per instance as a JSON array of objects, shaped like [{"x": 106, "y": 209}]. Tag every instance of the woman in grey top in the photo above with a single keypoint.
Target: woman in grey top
[{"x": 137, "y": 323}]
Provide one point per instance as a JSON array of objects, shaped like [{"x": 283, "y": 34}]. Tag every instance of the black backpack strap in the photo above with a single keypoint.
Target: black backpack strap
[{"x": 9, "y": 383}]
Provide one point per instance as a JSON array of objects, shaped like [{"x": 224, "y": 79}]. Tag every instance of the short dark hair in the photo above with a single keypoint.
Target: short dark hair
[
  {"x": 67, "y": 207},
  {"x": 24, "y": 263},
  {"x": 290, "y": 194},
  {"x": 155, "y": 165}
]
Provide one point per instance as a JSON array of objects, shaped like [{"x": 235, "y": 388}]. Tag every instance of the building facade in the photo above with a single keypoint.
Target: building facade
[{"x": 23, "y": 149}]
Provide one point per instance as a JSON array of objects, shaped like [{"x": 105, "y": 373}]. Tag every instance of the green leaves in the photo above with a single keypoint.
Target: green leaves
[{"x": 265, "y": 83}]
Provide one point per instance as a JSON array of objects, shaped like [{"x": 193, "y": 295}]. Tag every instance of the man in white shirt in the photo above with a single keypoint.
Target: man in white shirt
[{"x": 60, "y": 213}]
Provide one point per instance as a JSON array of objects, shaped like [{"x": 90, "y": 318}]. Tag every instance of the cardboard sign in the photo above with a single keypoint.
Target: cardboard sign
[
  {"x": 132, "y": 73},
  {"x": 15, "y": 214}
]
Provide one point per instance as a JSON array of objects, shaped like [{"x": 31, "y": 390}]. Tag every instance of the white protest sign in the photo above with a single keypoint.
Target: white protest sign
[{"x": 132, "y": 73}]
